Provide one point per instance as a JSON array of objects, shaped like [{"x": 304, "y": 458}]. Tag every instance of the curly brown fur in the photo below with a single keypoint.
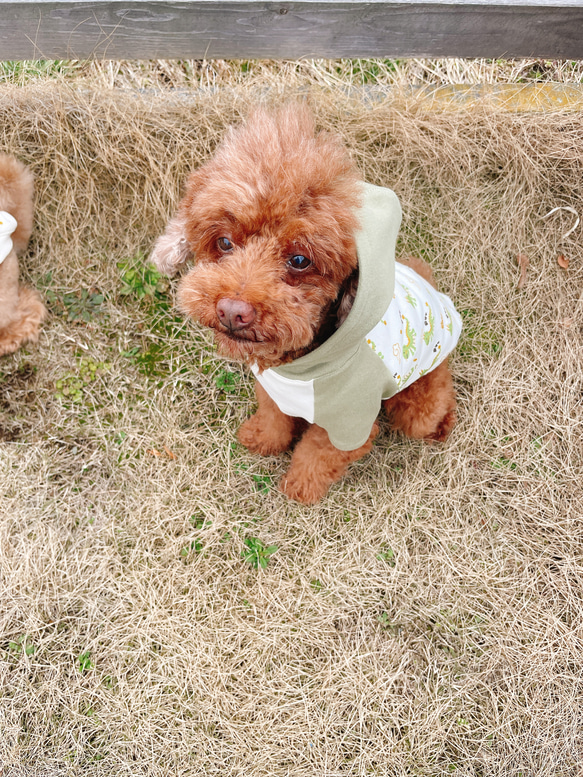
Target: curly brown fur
[
  {"x": 21, "y": 309},
  {"x": 271, "y": 221}
]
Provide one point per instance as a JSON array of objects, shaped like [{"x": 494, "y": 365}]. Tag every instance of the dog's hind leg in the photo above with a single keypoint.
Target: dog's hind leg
[
  {"x": 24, "y": 326},
  {"x": 427, "y": 408}
]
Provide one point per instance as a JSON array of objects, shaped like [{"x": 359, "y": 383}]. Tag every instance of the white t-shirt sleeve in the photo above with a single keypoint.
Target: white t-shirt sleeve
[{"x": 293, "y": 397}]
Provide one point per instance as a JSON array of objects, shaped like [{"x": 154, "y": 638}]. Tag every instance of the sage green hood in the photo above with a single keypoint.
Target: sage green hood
[
  {"x": 380, "y": 220},
  {"x": 340, "y": 385}
]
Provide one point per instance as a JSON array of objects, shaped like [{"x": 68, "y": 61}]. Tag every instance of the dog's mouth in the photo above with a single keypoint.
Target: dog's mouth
[
  {"x": 240, "y": 345},
  {"x": 239, "y": 336},
  {"x": 248, "y": 346}
]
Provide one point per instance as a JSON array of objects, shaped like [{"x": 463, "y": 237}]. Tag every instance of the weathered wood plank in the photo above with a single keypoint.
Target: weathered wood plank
[{"x": 112, "y": 29}]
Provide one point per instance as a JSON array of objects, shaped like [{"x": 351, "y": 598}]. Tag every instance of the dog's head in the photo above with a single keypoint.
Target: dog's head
[{"x": 271, "y": 222}]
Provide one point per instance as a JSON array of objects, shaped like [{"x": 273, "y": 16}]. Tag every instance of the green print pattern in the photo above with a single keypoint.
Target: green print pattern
[
  {"x": 437, "y": 352},
  {"x": 410, "y": 334},
  {"x": 428, "y": 325},
  {"x": 449, "y": 325},
  {"x": 410, "y": 298},
  {"x": 401, "y": 381},
  {"x": 374, "y": 346}
]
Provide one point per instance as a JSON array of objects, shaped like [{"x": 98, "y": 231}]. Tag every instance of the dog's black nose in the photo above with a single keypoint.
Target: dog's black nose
[{"x": 235, "y": 314}]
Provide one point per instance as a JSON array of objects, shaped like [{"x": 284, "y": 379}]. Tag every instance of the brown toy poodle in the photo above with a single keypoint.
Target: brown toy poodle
[
  {"x": 295, "y": 273},
  {"x": 21, "y": 309}
]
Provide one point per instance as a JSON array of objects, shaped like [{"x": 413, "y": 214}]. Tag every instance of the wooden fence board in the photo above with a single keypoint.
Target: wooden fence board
[{"x": 112, "y": 29}]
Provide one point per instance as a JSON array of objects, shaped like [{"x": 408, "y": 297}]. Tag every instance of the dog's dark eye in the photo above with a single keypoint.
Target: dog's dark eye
[
  {"x": 225, "y": 244},
  {"x": 299, "y": 262}
]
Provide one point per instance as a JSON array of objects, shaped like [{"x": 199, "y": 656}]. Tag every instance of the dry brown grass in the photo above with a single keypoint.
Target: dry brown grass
[
  {"x": 425, "y": 618},
  {"x": 129, "y": 74},
  {"x": 327, "y": 72}
]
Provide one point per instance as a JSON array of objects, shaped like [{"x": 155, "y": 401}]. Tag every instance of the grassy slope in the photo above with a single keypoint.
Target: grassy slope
[{"x": 424, "y": 618}]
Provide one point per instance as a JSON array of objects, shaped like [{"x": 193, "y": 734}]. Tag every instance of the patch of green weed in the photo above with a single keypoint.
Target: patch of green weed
[
  {"x": 83, "y": 305},
  {"x": 227, "y": 381},
  {"x": 23, "y": 373},
  {"x": 387, "y": 555},
  {"x": 263, "y": 482},
  {"x": 153, "y": 361},
  {"x": 256, "y": 554},
  {"x": 503, "y": 463},
  {"x": 22, "y": 646},
  {"x": 84, "y": 661},
  {"x": 164, "y": 323},
  {"x": 21, "y": 72},
  {"x": 195, "y": 545},
  {"x": 385, "y": 622},
  {"x": 109, "y": 681},
  {"x": 70, "y": 388},
  {"x": 367, "y": 71},
  {"x": 141, "y": 280},
  {"x": 199, "y": 521}
]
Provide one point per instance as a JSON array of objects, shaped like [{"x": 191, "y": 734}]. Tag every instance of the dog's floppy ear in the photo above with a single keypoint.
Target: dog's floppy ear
[{"x": 172, "y": 250}]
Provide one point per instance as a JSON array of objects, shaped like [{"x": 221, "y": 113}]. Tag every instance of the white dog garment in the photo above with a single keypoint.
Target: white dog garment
[
  {"x": 398, "y": 329},
  {"x": 419, "y": 329},
  {"x": 7, "y": 226}
]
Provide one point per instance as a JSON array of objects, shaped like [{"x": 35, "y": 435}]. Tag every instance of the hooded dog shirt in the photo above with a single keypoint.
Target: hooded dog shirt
[
  {"x": 398, "y": 329},
  {"x": 7, "y": 226}
]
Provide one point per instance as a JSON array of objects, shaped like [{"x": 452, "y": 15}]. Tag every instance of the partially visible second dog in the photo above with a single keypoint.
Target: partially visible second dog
[
  {"x": 21, "y": 308},
  {"x": 295, "y": 273}
]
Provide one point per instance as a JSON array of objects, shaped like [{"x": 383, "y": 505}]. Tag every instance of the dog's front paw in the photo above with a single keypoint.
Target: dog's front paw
[
  {"x": 263, "y": 438},
  {"x": 304, "y": 487},
  {"x": 9, "y": 346}
]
